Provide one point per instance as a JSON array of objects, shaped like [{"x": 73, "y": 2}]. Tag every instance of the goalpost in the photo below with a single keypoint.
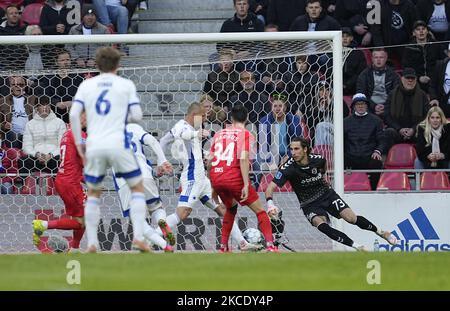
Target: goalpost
[{"x": 170, "y": 71}]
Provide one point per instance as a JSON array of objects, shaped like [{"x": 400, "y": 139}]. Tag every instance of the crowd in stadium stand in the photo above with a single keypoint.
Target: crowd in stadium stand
[{"x": 396, "y": 72}]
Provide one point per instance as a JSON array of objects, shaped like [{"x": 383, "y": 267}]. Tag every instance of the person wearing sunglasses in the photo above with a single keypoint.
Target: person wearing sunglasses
[{"x": 15, "y": 110}]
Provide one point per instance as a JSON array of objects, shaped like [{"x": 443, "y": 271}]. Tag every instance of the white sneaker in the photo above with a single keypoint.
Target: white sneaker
[
  {"x": 389, "y": 237},
  {"x": 143, "y": 6}
]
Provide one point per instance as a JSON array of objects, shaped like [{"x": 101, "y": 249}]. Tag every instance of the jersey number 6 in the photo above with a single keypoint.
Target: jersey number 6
[{"x": 103, "y": 105}]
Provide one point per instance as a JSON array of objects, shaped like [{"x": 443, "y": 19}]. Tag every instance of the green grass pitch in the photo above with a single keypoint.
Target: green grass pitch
[{"x": 208, "y": 271}]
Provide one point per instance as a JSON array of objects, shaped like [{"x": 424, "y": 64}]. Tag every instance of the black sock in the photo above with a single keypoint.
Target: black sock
[
  {"x": 365, "y": 224},
  {"x": 334, "y": 234}
]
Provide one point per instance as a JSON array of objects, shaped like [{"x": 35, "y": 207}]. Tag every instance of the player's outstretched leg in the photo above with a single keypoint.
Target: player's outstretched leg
[
  {"x": 320, "y": 223},
  {"x": 360, "y": 221},
  {"x": 40, "y": 226}
]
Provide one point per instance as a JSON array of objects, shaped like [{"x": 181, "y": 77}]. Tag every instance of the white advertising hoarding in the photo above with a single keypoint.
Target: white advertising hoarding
[{"x": 421, "y": 221}]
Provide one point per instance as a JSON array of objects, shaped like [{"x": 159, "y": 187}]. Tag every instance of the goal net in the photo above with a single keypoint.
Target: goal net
[{"x": 290, "y": 77}]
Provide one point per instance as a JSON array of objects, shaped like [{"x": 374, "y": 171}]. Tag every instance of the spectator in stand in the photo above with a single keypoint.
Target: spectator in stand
[
  {"x": 299, "y": 84},
  {"x": 223, "y": 82},
  {"x": 259, "y": 8},
  {"x": 42, "y": 139},
  {"x": 319, "y": 115},
  {"x": 257, "y": 103},
  {"x": 276, "y": 130},
  {"x": 436, "y": 13},
  {"x": 13, "y": 57},
  {"x": 12, "y": 25},
  {"x": 440, "y": 85},
  {"x": 34, "y": 61},
  {"x": 113, "y": 12},
  {"x": 272, "y": 69},
  {"x": 354, "y": 64},
  {"x": 406, "y": 107},
  {"x": 15, "y": 111},
  {"x": 433, "y": 141},
  {"x": 54, "y": 19},
  {"x": 397, "y": 20},
  {"x": 377, "y": 81},
  {"x": 84, "y": 54},
  {"x": 352, "y": 14},
  {"x": 422, "y": 54},
  {"x": 62, "y": 86},
  {"x": 283, "y": 12},
  {"x": 242, "y": 21},
  {"x": 315, "y": 19},
  {"x": 364, "y": 139}
]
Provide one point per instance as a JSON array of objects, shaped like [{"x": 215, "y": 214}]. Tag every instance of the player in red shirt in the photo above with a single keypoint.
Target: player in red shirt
[
  {"x": 68, "y": 185},
  {"x": 229, "y": 174}
]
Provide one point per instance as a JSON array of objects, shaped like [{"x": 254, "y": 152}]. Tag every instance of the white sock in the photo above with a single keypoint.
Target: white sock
[
  {"x": 157, "y": 215},
  {"x": 172, "y": 220},
  {"x": 379, "y": 231},
  {"x": 137, "y": 214},
  {"x": 92, "y": 219},
  {"x": 236, "y": 234},
  {"x": 151, "y": 235}
]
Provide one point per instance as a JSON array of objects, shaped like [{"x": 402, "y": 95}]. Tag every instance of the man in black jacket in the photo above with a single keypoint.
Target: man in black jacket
[
  {"x": 377, "y": 81},
  {"x": 406, "y": 106},
  {"x": 364, "y": 139},
  {"x": 243, "y": 20},
  {"x": 440, "y": 85},
  {"x": 422, "y": 54},
  {"x": 315, "y": 19}
]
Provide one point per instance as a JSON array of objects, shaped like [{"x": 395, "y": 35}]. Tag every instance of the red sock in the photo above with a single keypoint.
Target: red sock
[
  {"x": 64, "y": 224},
  {"x": 77, "y": 236},
  {"x": 227, "y": 224},
  {"x": 264, "y": 226}
]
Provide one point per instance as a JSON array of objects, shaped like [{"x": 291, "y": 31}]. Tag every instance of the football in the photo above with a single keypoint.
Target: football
[
  {"x": 58, "y": 244},
  {"x": 253, "y": 236}
]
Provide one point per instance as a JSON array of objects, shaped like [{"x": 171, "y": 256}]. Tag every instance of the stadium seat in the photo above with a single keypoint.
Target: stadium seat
[
  {"x": 395, "y": 181},
  {"x": 401, "y": 156},
  {"x": 5, "y": 3},
  {"x": 267, "y": 179},
  {"x": 31, "y": 14},
  {"x": 434, "y": 181},
  {"x": 356, "y": 182}
]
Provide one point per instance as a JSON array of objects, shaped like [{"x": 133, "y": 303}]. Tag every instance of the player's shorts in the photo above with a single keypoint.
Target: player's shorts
[
  {"x": 229, "y": 192},
  {"x": 193, "y": 191},
  {"x": 73, "y": 197},
  {"x": 151, "y": 196},
  {"x": 123, "y": 161},
  {"x": 328, "y": 204}
]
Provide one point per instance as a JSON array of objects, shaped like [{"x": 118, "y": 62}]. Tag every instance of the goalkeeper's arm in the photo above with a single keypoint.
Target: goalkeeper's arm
[{"x": 272, "y": 210}]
